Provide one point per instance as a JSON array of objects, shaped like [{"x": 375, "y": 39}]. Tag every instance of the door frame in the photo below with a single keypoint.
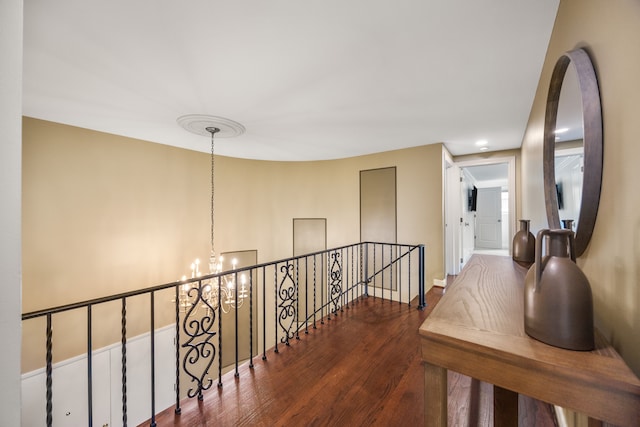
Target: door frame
[{"x": 511, "y": 186}]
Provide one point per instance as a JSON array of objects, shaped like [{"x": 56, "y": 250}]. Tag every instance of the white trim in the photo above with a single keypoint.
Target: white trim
[
  {"x": 560, "y": 416},
  {"x": 94, "y": 352},
  {"x": 451, "y": 233}
]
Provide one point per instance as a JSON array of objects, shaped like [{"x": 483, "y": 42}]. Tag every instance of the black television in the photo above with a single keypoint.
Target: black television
[
  {"x": 560, "y": 196},
  {"x": 472, "y": 199}
]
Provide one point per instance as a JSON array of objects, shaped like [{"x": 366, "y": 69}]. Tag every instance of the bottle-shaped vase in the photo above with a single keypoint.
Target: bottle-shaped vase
[
  {"x": 567, "y": 224},
  {"x": 523, "y": 248},
  {"x": 558, "y": 305}
]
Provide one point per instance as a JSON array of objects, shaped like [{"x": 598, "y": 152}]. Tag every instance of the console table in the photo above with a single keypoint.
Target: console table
[{"x": 477, "y": 329}]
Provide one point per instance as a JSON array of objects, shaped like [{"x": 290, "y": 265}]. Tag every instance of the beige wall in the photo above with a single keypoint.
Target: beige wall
[
  {"x": 609, "y": 31},
  {"x": 104, "y": 214}
]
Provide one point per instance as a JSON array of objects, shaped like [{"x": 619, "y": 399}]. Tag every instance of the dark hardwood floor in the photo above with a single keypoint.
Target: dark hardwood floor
[{"x": 361, "y": 368}]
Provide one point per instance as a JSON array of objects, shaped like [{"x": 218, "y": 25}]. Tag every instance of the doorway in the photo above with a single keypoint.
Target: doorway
[
  {"x": 480, "y": 204},
  {"x": 489, "y": 218}
]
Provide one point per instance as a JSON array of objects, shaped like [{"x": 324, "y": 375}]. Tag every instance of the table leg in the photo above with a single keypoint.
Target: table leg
[
  {"x": 505, "y": 407},
  {"x": 435, "y": 396}
]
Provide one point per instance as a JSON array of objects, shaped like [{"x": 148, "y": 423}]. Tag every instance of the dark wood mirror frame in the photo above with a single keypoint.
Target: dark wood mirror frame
[{"x": 592, "y": 125}]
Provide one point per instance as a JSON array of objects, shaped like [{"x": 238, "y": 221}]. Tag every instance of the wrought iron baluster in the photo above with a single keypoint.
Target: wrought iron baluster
[
  {"x": 297, "y": 283},
  {"x": 347, "y": 282},
  {"x": 315, "y": 284},
  {"x": 251, "y": 318},
  {"x": 177, "y": 344},
  {"x": 235, "y": 281},
  {"x": 152, "y": 333},
  {"x": 264, "y": 313},
  {"x": 198, "y": 345},
  {"x": 49, "y": 380},
  {"x": 335, "y": 286},
  {"x": 219, "y": 309},
  {"x": 89, "y": 370},
  {"x": 392, "y": 261},
  {"x": 400, "y": 279},
  {"x": 306, "y": 295},
  {"x": 361, "y": 279},
  {"x": 322, "y": 292},
  {"x": 328, "y": 284},
  {"x": 275, "y": 289},
  {"x": 354, "y": 279},
  {"x": 374, "y": 270},
  {"x": 409, "y": 275},
  {"x": 123, "y": 357},
  {"x": 423, "y": 303},
  {"x": 287, "y": 292},
  {"x": 342, "y": 291},
  {"x": 382, "y": 273}
]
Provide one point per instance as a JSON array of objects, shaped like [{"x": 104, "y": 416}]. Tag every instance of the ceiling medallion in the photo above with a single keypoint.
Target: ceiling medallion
[{"x": 198, "y": 124}]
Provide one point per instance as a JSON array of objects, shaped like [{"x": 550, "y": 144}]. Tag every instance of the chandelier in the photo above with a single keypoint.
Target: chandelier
[{"x": 221, "y": 290}]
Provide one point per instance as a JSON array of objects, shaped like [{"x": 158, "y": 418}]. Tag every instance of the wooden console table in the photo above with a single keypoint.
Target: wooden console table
[{"x": 477, "y": 329}]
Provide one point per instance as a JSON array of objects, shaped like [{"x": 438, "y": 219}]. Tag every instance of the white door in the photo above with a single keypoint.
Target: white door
[
  {"x": 467, "y": 220},
  {"x": 452, "y": 218},
  {"x": 489, "y": 218}
]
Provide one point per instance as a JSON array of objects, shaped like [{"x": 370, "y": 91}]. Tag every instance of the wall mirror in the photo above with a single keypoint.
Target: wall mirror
[{"x": 572, "y": 157}]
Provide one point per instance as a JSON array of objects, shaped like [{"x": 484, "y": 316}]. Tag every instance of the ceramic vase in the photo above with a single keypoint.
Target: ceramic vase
[
  {"x": 524, "y": 244},
  {"x": 558, "y": 306},
  {"x": 567, "y": 224}
]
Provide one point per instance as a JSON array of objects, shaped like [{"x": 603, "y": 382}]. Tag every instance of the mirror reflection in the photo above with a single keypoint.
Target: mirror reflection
[
  {"x": 569, "y": 168},
  {"x": 569, "y": 150},
  {"x": 577, "y": 186}
]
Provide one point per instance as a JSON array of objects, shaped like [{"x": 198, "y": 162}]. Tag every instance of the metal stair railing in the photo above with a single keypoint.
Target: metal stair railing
[{"x": 285, "y": 298}]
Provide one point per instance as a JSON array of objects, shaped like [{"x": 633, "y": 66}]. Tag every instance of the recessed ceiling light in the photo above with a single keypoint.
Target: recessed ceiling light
[
  {"x": 561, "y": 130},
  {"x": 482, "y": 142},
  {"x": 484, "y": 148}
]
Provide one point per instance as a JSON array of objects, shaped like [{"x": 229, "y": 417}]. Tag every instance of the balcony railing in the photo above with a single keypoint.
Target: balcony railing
[{"x": 282, "y": 300}]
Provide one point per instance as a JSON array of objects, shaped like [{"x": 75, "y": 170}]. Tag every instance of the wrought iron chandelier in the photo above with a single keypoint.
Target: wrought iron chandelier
[{"x": 222, "y": 290}]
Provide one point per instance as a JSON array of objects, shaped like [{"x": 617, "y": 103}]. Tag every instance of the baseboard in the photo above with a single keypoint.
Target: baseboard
[{"x": 441, "y": 283}]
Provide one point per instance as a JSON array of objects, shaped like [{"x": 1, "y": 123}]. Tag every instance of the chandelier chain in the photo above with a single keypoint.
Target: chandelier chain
[
  {"x": 224, "y": 296},
  {"x": 213, "y": 131},
  {"x": 212, "y": 186}
]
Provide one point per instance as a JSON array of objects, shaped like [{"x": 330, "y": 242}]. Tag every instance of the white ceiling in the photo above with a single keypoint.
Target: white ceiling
[
  {"x": 492, "y": 175},
  {"x": 309, "y": 80}
]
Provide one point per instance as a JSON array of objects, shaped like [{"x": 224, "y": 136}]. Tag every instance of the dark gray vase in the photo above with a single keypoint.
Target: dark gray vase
[
  {"x": 558, "y": 304},
  {"x": 567, "y": 224},
  {"x": 524, "y": 244}
]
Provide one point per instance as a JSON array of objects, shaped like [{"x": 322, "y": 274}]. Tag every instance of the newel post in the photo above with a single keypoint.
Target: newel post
[
  {"x": 366, "y": 269},
  {"x": 422, "y": 302}
]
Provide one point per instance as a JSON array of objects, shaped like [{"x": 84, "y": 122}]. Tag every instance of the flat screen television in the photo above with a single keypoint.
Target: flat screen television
[
  {"x": 560, "y": 196},
  {"x": 473, "y": 199}
]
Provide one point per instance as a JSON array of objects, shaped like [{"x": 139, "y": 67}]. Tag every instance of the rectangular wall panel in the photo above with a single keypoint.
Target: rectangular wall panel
[{"x": 378, "y": 222}]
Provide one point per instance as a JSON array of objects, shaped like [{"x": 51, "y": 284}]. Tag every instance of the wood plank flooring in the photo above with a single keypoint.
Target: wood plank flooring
[{"x": 361, "y": 368}]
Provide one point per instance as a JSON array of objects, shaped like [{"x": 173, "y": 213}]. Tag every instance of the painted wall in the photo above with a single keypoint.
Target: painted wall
[
  {"x": 104, "y": 214},
  {"x": 609, "y": 31},
  {"x": 10, "y": 171}
]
